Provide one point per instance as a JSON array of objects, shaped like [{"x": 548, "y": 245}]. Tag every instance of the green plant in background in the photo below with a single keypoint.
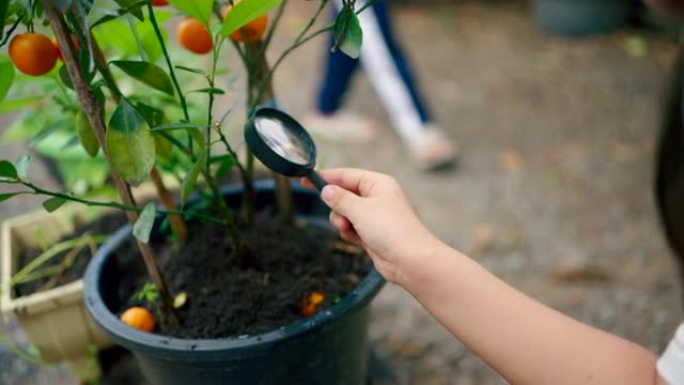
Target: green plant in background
[{"x": 122, "y": 98}]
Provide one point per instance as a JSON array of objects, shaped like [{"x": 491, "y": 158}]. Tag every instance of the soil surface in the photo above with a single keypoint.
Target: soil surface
[
  {"x": 74, "y": 266},
  {"x": 259, "y": 289}
]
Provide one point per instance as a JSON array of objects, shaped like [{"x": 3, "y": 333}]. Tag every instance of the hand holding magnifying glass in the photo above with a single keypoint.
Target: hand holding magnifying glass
[{"x": 283, "y": 145}]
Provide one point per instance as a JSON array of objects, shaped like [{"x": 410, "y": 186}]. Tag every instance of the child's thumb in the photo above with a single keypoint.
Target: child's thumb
[{"x": 341, "y": 201}]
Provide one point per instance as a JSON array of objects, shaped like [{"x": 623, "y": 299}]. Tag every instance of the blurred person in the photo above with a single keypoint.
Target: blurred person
[
  {"x": 391, "y": 77},
  {"x": 523, "y": 340}
]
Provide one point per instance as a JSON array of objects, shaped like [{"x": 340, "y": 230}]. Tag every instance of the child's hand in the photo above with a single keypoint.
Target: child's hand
[{"x": 370, "y": 208}]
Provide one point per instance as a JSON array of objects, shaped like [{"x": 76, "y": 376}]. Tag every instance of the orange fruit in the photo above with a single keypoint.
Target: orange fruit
[
  {"x": 193, "y": 35},
  {"x": 139, "y": 318},
  {"x": 251, "y": 32},
  {"x": 159, "y": 3},
  {"x": 32, "y": 53},
  {"x": 310, "y": 304},
  {"x": 58, "y": 50}
]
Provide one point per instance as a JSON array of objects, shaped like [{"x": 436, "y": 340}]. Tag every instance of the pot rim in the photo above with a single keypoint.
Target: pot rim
[{"x": 155, "y": 344}]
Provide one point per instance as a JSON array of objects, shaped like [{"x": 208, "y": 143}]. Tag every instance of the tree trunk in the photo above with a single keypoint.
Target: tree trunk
[
  {"x": 94, "y": 112},
  {"x": 256, "y": 55}
]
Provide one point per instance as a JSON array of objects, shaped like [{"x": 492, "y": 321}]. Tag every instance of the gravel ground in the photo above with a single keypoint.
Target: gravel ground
[{"x": 553, "y": 190}]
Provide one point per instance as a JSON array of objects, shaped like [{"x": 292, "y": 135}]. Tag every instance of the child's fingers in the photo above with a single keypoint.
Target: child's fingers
[
  {"x": 351, "y": 179},
  {"x": 351, "y": 236},
  {"x": 345, "y": 228},
  {"x": 341, "y": 223}
]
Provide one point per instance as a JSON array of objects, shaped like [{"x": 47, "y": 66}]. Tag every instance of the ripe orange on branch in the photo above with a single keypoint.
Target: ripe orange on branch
[
  {"x": 193, "y": 35},
  {"x": 251, "y": 32},
  {"x": 32, "y": 53}
]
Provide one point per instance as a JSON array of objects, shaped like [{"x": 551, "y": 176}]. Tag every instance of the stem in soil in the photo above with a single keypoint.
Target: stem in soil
[{"x": 258, "y": 79}]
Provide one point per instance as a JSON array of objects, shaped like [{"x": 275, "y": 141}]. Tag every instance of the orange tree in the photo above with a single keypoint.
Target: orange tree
[{"x": 136, "y": 132}]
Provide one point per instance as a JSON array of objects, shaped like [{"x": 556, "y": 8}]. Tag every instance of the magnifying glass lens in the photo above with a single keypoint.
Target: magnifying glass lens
[{"x": 282, "y": 141}]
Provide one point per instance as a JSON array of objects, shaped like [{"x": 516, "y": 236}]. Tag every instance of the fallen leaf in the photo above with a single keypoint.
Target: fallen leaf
[
  {"x": 180, "y": 300},
  {"x": 579, "y": 274},
  {"x": 511, "y": 160},
  {"x": 636, "y": 47}
]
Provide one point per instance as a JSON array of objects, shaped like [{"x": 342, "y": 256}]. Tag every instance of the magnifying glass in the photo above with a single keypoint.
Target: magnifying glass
[{"x": 283, "y": 145}]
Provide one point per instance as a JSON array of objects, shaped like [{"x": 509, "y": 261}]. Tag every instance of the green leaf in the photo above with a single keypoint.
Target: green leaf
[
  {"x": 130, "y": 143},
  {"x": 226, "y": 163},
  {"x": 191, "y": 178},
  {"x": 148, "y": 73},
  {"x": 191, "y": 70},
  {"x": 6, "y": 196},
  {"x": 179, "y": 126},
  {"x": 132, "y": 7},
  {"x": 199, "y": 9},
  {"x": 62, "y": 5},
  {"x": 163, "y": 146},
  {"x": 244, "y": 12},
  {"x": 7, "y": 170},
  {"x": 64, "y": 77},
  {"x": 150, "y": 44},
  {"x": 143, "y": 226},
  {"x": 3, "y": 15},
  {"x": 86, "y": 64},
  {"x": 22, "y": 165},
  {"x": 53, "y": 204},
  {"x": 86, "y": 134},
  {"x": 6, "y": 76},
  {"x": 153, "y": 116},
  {"x": 348, "y": 33},
  {"x": 197, "y": 137},
  {"x": 101, "y": 99},
  {"x": 16, "y": 104},
  {"x": 191, "y": 127},
  {"x": 211, "y": 90}
]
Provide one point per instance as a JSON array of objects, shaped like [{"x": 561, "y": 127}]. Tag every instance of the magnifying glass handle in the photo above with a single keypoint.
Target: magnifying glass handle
[{"x": 316, "y": 179}]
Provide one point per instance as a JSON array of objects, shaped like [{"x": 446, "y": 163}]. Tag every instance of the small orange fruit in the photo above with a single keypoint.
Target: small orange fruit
[
  {"x": 193, "y": 35},
  {"x": 139, "y": 318},
  {"x": 32, "y": 53},
  {"x": 58, "y": 50},
  {"x": 251, "y": 32},
  {"x": 159, "y": 3},
  {"x": 310, "y": 304}
]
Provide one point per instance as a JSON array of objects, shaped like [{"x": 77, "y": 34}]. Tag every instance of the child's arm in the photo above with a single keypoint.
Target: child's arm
[{"x": 523, "y": 340}]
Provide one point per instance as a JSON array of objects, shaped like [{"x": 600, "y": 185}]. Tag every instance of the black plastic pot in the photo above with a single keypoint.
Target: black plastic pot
[
  {"x": 577, "y": 18},
  {"x": 329, "y": 348}
]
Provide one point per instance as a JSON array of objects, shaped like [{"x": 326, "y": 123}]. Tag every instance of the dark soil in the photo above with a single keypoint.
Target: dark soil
[
  {"x": 263, "y": 287},
  {"x": 103, "y": 226}
]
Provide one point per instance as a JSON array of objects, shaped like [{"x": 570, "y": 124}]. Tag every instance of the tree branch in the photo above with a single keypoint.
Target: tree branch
[{"x": 94, "y": 112}]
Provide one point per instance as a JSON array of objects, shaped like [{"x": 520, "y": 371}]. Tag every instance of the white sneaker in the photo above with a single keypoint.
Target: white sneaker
[
  {"x": 340, "y": 126},
  {"x": 432, "y": 150}
]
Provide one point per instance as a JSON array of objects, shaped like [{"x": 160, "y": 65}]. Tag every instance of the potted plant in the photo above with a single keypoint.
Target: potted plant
[
  {"x": 42, "y": 264},
  {"x": 577, "y": 18},
  {"x": 234, "y": 285}
]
